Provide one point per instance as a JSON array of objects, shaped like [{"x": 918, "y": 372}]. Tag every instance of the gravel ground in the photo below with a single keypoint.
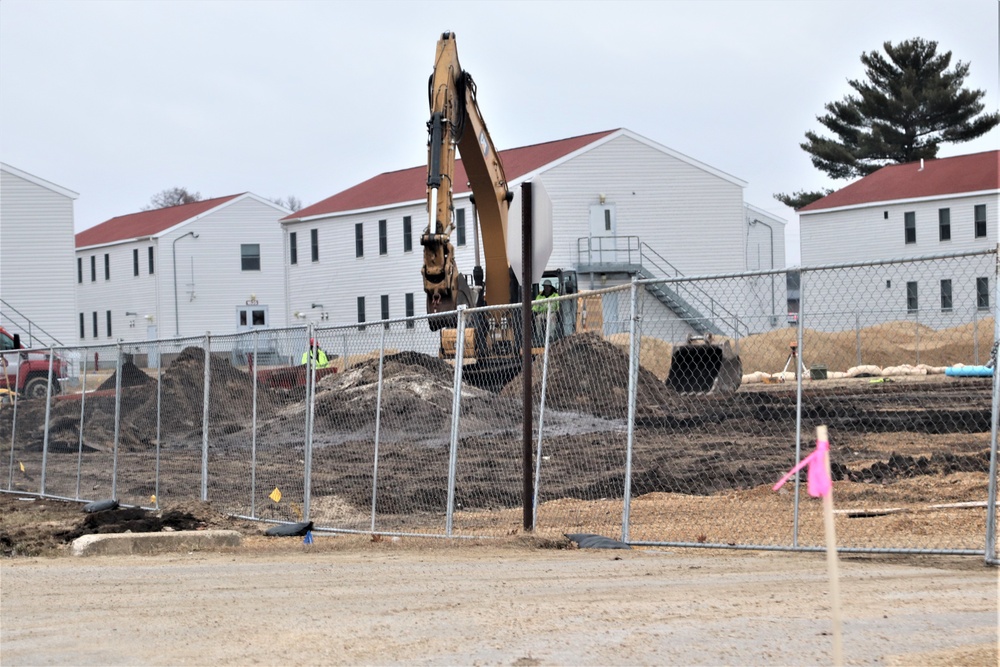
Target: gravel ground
[{"x": 508, "y": 602}]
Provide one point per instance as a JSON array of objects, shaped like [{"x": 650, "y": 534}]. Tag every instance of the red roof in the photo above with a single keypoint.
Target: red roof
[
  {"x": 944, "y": 176},
  {"x": 395, "y": 187},
  {"x": 145, "y": 223}
]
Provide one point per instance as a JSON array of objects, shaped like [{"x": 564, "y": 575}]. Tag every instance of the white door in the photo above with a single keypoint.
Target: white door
[
  {"x": 252, "y": 317},
  {"x": 603, "y": 230}
]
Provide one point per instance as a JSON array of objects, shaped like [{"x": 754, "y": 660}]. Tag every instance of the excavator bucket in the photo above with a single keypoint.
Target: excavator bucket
[{"x": 702, "y": 366}]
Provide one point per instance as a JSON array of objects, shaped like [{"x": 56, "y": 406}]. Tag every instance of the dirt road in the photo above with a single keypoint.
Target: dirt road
[{"x": 347, "y": 601}]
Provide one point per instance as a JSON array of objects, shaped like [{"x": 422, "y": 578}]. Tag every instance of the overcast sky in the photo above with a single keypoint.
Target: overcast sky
[{"x": 120, "y": 100}]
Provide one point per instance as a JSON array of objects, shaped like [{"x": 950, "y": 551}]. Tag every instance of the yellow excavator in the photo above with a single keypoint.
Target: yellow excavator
[{"x": 492, "y": 339}]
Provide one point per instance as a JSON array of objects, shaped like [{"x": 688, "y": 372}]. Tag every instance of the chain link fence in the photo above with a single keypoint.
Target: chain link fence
[{"x": 661, "y": 414}]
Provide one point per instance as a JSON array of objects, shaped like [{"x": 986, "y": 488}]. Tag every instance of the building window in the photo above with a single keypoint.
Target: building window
[
  {"x": 409, "y": 309},
  {"x": 79, "y": 269},
  {"x": 94, "y": 323},
  {"x": 385, "y": 309},
  {"x": 383, "y": 238},
  {"x": 250, "y": 256},
  {"x": 361, "y": 312},
  {"x": 946, "y": 295},
  {"x": 460, "y": 226},
  {"x": 83, "y": 327},
  {"x": 607, "y": 219},
  {"x": 150, "y": 255},
  {"x": 107, "y": 266},
  {"x": 912, "y": 305},
  {"x": 293, "y": 248},
  {"x": 108, "y": 321},
  {"x": 910, "y": 227},
  {"x": 93, "y": 268},
  {"x": 407, "y": 234},
  {"x": 359, "y": 240},
  {"x": 135, "y": 262},
  {"x": 314, "y": 243},
  {"x": 944, "y": 224},
  {"x": 980, "y": 217},
  {"x": 983, "y": 293}
]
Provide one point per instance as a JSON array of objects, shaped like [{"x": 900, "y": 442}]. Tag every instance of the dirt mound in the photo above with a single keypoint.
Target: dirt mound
[
  {"x": 417, "y": 397},
  {"x": 589, "y": 374},
  {"x": 181, "y": 408},
  {"x": 131, "y": 377}
]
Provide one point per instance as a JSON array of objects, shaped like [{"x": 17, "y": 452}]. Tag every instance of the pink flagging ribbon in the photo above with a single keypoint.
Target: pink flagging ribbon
[{"x": 817, "y": 477}]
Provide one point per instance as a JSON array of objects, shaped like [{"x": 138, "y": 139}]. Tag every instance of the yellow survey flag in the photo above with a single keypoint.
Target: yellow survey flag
[
  {"x": 22, "y": 466},
  {"x": 152, "y": 498},
  {"x": 275, "y": 495}
]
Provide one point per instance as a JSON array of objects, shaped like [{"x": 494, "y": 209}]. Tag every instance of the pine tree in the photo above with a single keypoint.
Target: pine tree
[{"x": 909, "y": 104}]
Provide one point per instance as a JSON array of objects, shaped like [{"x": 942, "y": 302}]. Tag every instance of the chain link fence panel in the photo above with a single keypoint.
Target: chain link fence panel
[{"x": 662, "y": 413}]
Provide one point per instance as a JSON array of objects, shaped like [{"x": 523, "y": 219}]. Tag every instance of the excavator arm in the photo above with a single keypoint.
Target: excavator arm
[{"x": 456, "y": 121}]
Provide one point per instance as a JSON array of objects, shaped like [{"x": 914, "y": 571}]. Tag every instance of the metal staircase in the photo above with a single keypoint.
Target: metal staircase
[
  {"x": 692, "y": 304},
  {"x": 17, "y": 322}
]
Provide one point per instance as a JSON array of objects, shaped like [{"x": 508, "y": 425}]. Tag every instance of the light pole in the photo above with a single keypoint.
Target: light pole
[{"x": 173, "y": 248}]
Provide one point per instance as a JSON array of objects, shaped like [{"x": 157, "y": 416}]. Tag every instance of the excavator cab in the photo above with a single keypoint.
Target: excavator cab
[{"x": 702, "y": 366}]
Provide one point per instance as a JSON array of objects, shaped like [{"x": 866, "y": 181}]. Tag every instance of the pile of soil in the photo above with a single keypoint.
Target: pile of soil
[
  {"x": 417, "y": 397},
  {"x": 181, "y": 407},
  {"x": 590, "y": 374},
  {"x": 41, "y": 526},
  {"x": 132, "y": 376}
]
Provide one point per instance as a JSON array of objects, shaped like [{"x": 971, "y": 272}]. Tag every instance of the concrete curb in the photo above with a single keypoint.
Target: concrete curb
[{"x": 124, "y": 544}]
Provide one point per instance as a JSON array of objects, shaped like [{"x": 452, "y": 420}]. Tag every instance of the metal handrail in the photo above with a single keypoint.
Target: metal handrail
[
  {"x": 637, "y": 253},
  {"x": 31, "y": 325},
  {"x": 695, "y": 291}
]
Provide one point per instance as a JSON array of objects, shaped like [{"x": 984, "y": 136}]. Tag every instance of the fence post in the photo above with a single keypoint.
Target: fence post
[
  {"x": 83, "y": 406},
  {"x": 13, "y": 433},
  {"x": 204, "y": 417},
  {"x": 633, "y": 377},
  {"x": 118, "y": 412},
  {"x": 798, "y": 402},
  {"x": 253, "y": 433},
  {"x": 916, "y": 332},
  {"x": 541, "y": 418},
  {"x": 857, "y": 335},
  {"x": 48, "y": 412},
  {"x": 378, "y": 423},
  {"x": 975, "y": 334},
  {"x": 456, "y": 407},
  {"x": 991, "y": 502},
  {"x": 159, "y": 420},
  {"x": 310, "y": 414}
]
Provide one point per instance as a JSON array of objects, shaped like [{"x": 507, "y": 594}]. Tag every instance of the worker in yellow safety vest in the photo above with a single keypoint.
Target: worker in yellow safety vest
[
  {"x": 541, "y": 310},
  {"x": 548, "y": 292},
  {"x": 319, "y": 358}
]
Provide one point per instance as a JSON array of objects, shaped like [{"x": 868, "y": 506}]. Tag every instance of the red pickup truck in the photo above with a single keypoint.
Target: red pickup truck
[{"x": 27, "y": 373}]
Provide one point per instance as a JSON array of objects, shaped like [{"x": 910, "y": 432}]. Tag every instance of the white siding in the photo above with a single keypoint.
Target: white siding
[
  {"x": 670, "y": 203},
  {"x": 876, "y": 232},
  {"x": 210, "y": 284},
  {"x": 37, "y": 272}
]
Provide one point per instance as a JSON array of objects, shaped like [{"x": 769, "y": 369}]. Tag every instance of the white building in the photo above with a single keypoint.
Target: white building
[
  {"x": 621, "y": 205},
  {"x": 37, "y": 299},
  {"x": 918, "y": 209},
  {"x": 213, "y": 265}
]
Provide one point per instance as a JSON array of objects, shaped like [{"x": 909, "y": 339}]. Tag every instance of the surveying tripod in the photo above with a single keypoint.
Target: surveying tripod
[{"x": 793, "y": 356}]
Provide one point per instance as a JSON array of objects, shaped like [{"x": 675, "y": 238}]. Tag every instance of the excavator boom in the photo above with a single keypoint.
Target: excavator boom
[{"x": 456, "y": 121}]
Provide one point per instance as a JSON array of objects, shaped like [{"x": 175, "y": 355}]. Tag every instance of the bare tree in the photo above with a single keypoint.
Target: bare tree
[
  {"x": 291, "y": 202},
  {"x": 172, "y": 197}
]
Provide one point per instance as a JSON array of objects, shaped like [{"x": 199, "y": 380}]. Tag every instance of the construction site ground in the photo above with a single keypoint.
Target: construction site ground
[
  {"x": 510, "y": 601},
  {"x": 910, "y": 460}
]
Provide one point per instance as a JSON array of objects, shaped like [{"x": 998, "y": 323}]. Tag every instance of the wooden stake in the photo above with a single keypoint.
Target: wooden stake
[{"x": 831, "y": 557}]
